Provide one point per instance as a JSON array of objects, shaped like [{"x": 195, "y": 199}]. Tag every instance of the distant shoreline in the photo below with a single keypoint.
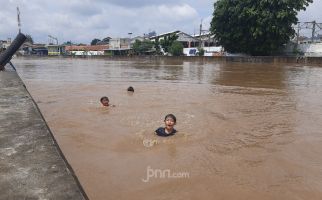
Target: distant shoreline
[{"x": 242, "y": 59}]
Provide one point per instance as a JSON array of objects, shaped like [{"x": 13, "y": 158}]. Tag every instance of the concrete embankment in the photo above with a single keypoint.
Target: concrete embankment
[
  {"x": 248, "y": 59},
  {"x": 31, "y": 163},
  {"x": 241, "y": 59}
]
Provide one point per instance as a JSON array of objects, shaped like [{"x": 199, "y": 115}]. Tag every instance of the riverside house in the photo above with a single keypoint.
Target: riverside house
[
  {"x": 86, "y": 50},
  {"x": 118, "y": 46},
  {"x": 56, "y": 50}
]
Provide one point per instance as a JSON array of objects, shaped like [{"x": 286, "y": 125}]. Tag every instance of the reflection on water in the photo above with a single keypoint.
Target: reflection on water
[{"x": 246, "y": 131}]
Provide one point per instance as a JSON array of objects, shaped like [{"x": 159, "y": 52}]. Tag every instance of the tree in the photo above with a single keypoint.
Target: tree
[
  {"x": 201, "y": 52},
  {"x": 95, "y": 41},
  {"x": 106, "y": 40},
  {"x": 157, "y": 46},
  {"x": 176, "y": 49},
  {"x": 168, "y": 40},
  {"x": 68, "y": 43},
  {"x": 29, "y": 39},
  {"x": 256, "y": 27},
  {"x": 141, "y": 47}
]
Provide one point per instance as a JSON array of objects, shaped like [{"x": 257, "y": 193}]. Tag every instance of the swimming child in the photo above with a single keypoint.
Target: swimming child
[
  {"x": 169, "y": 121},
  {"x": 130, "y": 89},
  {"x": 106, "y": 102}
]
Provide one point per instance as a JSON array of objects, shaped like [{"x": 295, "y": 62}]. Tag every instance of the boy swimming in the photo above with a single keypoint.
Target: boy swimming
[
  {"x": 130, "y": 89},
  {"x": 169, "y": 121},
  {"x": 106, "y": 102}
]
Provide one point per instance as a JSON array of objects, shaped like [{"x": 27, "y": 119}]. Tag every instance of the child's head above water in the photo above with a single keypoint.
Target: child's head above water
[
  {"x": 130, "y": 89},
  {"x": 105, "y": 101},
  {"x": 170, "y": 117},
  {"x": 169, "y": 121}
]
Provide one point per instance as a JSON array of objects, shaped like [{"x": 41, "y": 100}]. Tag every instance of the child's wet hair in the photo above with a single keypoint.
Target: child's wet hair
[
  {"x": 105, "y": 97},
  {"x": 130, "y": 89},
  {"x": 171, "y": 116}
]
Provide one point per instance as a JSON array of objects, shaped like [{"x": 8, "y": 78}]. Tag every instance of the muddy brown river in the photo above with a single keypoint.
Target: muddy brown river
[{"x": 245, "y": 131}]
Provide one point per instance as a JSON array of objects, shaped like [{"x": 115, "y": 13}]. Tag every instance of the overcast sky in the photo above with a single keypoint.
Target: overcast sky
[{"x": 83, "y": 20}]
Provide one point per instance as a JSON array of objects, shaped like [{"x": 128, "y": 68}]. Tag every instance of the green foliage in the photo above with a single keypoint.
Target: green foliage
[
  {"x": 297, "y": 51},
  {"x": 167, "y": 42},
  {"x": 157, "y": 46},
  {"x": 106, "y": 40},
  {"x": 176, "y": 48},
  {"x": 141, "y": 47},
  {"x": 95, "y": 41},
  {"x": 68, "y": 43},
  {"x": 201, "y": 51},
  {"x": 256, "y": 27}
]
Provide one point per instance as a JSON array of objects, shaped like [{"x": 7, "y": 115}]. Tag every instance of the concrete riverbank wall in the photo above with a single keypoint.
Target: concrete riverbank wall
[
  {"x": 246, "y": 59},
  {"x": 31, "y": 163},
  {"x": 250, "y": 59}
]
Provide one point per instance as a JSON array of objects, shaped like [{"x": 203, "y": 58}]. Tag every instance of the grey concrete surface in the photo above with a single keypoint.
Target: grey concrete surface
[
  {"x": 31, "y": 164},
  {"x": 241, "y": 59}
]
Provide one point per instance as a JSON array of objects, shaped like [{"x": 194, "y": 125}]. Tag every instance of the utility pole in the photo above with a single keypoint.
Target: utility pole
[
  {"x": 18, "y": 19},
  {"x": 298, "y": 33},
  {"x": 313, "y": 30},
  {"x": 200, "y": 34},
  {"x": 312, "y": 26},
  {"x": 53, "y": 38}
]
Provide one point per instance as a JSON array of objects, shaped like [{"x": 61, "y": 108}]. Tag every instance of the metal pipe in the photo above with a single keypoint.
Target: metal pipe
[{"x": 6, "y": 56}]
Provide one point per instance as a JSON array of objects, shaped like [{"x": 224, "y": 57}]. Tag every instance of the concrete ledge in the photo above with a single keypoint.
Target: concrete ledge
[
  {"x": 242, "y": 59},
  {"x": 31, "y": 163}
]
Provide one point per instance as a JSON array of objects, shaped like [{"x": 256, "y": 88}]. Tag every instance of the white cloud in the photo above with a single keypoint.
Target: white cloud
[
  {"x": 81, "y": 22},
  {"x": 177, "y": 12},
  {"x": 312, "y": 12},
  {"x": 88, "y": 19}
]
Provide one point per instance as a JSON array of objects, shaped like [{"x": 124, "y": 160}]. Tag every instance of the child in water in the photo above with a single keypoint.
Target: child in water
[
  {"x": 130, "y": 89},
  {"x": 169, "y": 121},
  {"x": 106, "y": 102}
]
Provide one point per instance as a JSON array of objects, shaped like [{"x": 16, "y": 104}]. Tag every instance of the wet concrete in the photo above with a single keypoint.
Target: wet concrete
[{"x": 31, "y": 166}]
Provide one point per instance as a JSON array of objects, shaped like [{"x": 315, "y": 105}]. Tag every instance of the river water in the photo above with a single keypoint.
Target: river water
[{"x": 245, "y": 131}]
